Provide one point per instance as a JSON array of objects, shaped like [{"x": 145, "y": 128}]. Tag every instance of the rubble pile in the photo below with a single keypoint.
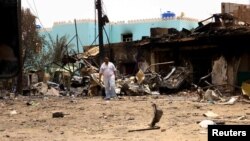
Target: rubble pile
[{"x": 84, "y": 80}]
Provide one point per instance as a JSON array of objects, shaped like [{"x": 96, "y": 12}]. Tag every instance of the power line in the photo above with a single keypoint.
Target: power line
[
  {"x": 35, "y": 8},
  {"x": 30, "y": 7},
  {"x": 106, "y": 35},
  {"x": 36, "y": 12},
  {"x": 39, "y": 18},
  {"x": 81, "y": 43},
  {"x": 104, "y": 10}
]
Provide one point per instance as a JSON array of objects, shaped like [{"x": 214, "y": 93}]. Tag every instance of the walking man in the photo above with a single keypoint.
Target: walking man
[{"x": 107, "y": 70}]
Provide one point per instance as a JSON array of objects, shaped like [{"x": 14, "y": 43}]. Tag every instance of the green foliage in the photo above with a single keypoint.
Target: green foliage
[
  {"x": 39, "y": 53},
  {"x": 58, "y": 48}
]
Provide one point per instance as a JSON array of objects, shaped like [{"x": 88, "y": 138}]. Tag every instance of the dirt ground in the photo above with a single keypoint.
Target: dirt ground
[{"x": 94, "y": 119}]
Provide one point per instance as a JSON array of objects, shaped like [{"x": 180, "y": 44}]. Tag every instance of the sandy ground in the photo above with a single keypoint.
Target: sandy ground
[{"x": 93, "y": 119}]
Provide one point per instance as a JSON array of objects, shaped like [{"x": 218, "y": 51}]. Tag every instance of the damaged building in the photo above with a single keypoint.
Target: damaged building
[
  {"x": 212, "y": 52},
  {"x": 240, "y": 11},
  {"x": 115, "y": 32},
  {"x": 217, "y": 48}
]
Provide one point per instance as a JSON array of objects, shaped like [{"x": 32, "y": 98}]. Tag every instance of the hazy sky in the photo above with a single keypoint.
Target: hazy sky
[{"x": 50, "y": 11}]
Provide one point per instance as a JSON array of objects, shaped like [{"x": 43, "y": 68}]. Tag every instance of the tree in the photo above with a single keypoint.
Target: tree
[
  {"x": 31, "y": 43},
  {"x": 38, "y": 52},
  {"x": 31, "y": 40},
  {"x": 55, "y": 51},
  {"x": 58, "y": 48},
  {"x": 43, "y": 58}
]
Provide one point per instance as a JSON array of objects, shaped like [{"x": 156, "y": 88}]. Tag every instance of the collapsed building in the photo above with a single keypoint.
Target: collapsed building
[
  {"x": 216, "y": 48},
  {"x": 214, "y": 54}
]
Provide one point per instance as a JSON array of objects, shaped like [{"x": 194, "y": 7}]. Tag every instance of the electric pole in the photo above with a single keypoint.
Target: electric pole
[
  {"x": 100, "y": 30},
  {"x": 19, "y": 79},
  {"x": 76, "y": 37}
]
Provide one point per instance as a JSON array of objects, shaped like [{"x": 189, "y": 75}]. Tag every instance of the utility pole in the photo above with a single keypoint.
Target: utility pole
[
  {"x": 100, "y": 30},
  {"x": 76, "y": 37},
  {"x": 77, "y": 44},
  {"x": 19, "y": 79}
]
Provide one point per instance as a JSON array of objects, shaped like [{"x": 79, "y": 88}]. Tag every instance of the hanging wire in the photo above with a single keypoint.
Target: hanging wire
[
  {"x": 106, "y": 35},
  {"x": 94, "y": 40},
  {"x": 31, "y": 7},
  {"x": 35, "y": 7},
  {"x": 37, "y": 16},
  {"x": 104, "y": 9}
]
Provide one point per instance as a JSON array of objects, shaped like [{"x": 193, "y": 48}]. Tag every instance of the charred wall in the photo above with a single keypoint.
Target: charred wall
[
  {"x": 201, "y": 53},
  {"x": 199, "y": 60},
  {"x": 126, "y": 55}
]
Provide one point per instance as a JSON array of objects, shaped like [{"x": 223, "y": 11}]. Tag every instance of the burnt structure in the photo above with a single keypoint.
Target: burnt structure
[
  {"x": 219, "y": 46},
  {"x": 223, "y": 38},
  {"x": 240, "y": 11}
]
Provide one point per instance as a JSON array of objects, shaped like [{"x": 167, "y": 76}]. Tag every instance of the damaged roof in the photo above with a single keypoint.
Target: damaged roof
[{"x": 223, "y": 28}]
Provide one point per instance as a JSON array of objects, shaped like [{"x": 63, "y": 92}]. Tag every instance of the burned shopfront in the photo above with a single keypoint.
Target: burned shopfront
[
  {"x": 219, "y": 49},
  {"x": 217, "y": 53}
]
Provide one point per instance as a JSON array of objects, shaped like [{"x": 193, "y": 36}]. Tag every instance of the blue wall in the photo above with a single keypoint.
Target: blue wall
[{"x": 87, "y": 35}]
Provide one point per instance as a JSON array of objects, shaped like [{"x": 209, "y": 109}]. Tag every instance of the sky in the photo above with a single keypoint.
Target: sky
[{"x": 50, "y": 11}]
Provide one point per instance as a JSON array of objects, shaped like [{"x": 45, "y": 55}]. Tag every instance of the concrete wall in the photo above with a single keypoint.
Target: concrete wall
[
  {"x": 86, "y": 34},
  {"x": 142, "y": 28},
  {"x": 87, "y": 31}
]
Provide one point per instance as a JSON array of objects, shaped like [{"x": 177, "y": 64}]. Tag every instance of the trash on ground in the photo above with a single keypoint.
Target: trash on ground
[
  {"x": 210, "y": 114},
  {"x": 231, "y": 101},
  {"x": 205, "y": 123},
  {"x": 58, "y": 114}
]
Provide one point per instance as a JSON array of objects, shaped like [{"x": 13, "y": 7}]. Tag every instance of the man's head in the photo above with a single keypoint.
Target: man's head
[{"x": 106, "y": 60}]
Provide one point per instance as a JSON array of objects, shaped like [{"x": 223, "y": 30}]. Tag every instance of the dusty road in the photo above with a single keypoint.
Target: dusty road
[{"x": 93, "y": 119}]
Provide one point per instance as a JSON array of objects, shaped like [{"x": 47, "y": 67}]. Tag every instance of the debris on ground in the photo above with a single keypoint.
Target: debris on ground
[
  {"x": 32, "y": 103},
  {"x": 205, "y": 123},
  {"x": 13, "y": 112},
  {"x": 231, "y": 101},
  {"x": 52, "y": 92},
  {"x": 210, "y": 114},
  {"x": 157, "y": 114},
  {"x": 211, "y": 96},
  {"x": 58, "y": 115},
  {"x": 144, "y": 129}
]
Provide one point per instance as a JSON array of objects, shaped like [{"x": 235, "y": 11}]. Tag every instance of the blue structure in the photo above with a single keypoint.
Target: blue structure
[
  {"x": 168, "y": 15},
  {"x": 116, "y": 32}
]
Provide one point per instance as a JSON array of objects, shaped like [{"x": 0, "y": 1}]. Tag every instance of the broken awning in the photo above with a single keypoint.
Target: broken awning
[{"x": 91, "y": 52}]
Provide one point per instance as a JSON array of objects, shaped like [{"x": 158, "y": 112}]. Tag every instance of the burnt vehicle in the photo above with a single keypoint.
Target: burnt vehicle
[{"x": 172, "y": 80}]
